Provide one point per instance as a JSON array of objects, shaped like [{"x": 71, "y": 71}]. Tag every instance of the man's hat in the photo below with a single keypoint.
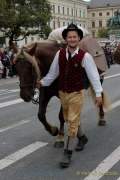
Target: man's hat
[{"x": 72, "y": 27}]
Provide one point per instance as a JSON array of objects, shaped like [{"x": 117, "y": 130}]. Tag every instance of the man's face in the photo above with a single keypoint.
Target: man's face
[{"x": 72, "y": 39}]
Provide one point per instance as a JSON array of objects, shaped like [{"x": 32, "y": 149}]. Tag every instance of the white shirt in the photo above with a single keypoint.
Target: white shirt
[{"x": 87, "y": 63}]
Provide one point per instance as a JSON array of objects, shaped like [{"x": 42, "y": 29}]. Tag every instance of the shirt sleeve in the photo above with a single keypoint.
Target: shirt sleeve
[
  {"x": 53, "y": 72},
  {"x": 92, "y": 73}
]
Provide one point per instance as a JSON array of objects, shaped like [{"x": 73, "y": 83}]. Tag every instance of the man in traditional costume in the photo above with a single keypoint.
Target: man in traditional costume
[{"x": 70, "y": 64}]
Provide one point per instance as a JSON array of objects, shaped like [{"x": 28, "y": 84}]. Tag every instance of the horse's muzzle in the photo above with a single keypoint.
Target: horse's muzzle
[{"x": 27, "y": 97}]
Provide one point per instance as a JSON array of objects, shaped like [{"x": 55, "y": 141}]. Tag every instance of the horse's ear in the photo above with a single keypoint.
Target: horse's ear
[{"x": 30, "y": 49}]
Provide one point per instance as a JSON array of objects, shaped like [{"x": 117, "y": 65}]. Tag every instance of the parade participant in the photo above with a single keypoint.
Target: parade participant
[
  {"x": 116, "y": 54},
  {"x": 69, "y": 64}
]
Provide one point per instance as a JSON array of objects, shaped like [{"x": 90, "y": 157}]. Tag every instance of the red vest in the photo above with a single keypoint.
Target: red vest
[{"x": 71, "y": 72}]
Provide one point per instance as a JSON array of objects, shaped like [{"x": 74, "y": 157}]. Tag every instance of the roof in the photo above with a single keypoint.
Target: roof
[{"x": 103, "y": 3}]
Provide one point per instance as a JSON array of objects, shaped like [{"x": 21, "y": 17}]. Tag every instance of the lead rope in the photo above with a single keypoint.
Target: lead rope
[{"x": 35, "y": 99}]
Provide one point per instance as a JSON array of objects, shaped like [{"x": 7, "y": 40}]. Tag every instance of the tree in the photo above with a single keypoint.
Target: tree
[
  {"x": 103, "y": 33},
  {"x": 24, "y": 17}
]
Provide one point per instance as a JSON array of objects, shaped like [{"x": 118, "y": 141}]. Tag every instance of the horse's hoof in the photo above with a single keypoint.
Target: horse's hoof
[
  {"x": 54, "y": 131},
  {"x": 102, "y": 123},
  {"x": 59, "y": 144}
]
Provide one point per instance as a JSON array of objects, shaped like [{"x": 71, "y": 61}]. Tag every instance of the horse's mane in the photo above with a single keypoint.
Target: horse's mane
[{"x": 30, "y": 48}]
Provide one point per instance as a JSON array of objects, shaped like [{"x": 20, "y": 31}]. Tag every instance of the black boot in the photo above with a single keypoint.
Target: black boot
[
  {"x": 102, "y": 122},
  {"x": 81, "y": 143},
  {"x": 66, "y": 159},
  {"x": 68, "y": 149}
]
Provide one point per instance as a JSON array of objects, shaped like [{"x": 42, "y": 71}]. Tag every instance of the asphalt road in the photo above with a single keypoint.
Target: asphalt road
[{"x": 26, "y": 149}]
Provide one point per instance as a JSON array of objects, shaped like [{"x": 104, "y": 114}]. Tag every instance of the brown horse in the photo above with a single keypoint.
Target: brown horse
[{"x": 33, "y": 63}]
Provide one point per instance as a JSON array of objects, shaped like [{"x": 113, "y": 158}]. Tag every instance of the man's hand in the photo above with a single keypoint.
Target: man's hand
[
  {"x": 99, "y": 101},
  {"x": 38, "y": 84}
]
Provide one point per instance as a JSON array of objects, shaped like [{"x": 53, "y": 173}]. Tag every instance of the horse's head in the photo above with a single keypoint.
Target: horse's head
[{"x": 28, "y": 73}]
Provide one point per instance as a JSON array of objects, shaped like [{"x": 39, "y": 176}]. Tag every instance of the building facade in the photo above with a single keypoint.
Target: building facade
[
  {"x": 92, "y": 16},
  {"x": 67, "y": 11},
  {"x": 63, "y": 13},
  {"x": 99, "y": 12}
]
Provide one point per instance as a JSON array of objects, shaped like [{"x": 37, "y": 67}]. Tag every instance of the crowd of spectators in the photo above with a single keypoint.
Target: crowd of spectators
[
  {"x": 7, "y": 67},
  {"x": 109, "y": 51}
]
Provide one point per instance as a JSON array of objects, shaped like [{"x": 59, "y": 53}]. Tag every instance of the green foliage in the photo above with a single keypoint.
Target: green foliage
[
  {"x": 24, "y": 17},
  {"x": 102, "y": 33}
]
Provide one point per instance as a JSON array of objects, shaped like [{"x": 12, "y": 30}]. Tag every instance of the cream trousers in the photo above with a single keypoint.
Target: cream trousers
[{"x": 72, "y": 105}]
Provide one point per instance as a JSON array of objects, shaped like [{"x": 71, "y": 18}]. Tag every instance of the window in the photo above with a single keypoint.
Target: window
[
  {"x": 80, "y": 13},
  {"x": 83, "y": 13},
  {"x": 76, "y": 12},
  {"x": 100, "y": 14},
  {"x": 53, "y": 24},
  {"x": 93, "y": 14},
  {"x": 93, "y": 24},
  {"x": 58, "y": 9},
  {"x": 63, "y": 10},
  {"x": 108, "y": 13},
  {"x": 63, "y": 23},
  {"x": 58, "y": 24},
  {"x": 93, "y": 33},
  {"x": 72, "y": 11},
  {"x": 100, "y": 24},
  {"x": 53, "y": 8},
  {"x": 67, "y": 11}
]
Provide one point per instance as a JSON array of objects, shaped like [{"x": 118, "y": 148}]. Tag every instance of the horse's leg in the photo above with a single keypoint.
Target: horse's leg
[
  {"x": 62, "y": 121},
  {"x": 60, "y": 138},
  {"x": 43, "y": 102}
]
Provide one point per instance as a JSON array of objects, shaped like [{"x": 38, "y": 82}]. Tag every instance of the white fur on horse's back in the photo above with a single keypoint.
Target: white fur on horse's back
[{"x": 56, "y": 35}]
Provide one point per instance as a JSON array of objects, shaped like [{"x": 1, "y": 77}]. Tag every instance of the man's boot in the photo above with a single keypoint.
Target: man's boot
[
  {"x": 82, "y": 140},
  {"x": 68, "y": 150},
  {"x": 66, "y": 160},
  {"x": 101, "y": 122}
]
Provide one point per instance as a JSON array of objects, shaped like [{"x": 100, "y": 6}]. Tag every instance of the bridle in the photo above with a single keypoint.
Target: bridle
[
  {"x": 36, "y": 77},
  {"x": 32, "y": 85},
  {"x": 35, "y": 98}
]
